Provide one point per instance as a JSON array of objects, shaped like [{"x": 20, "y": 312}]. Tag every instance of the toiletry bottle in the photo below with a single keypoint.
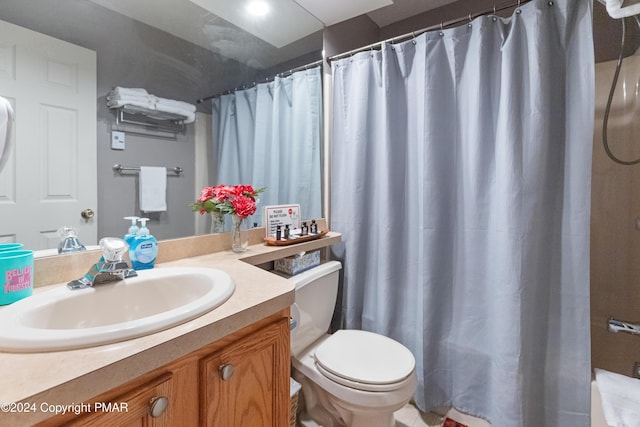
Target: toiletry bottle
[
  {"x": 133, "y": 230},
  {"x": 304, "y": 230},
  {"x": 286, "y": 232},
  {"x": 314, "y": 227},
  {"x": 144, "y": 248},
  {"x": 278, "y": 232}
]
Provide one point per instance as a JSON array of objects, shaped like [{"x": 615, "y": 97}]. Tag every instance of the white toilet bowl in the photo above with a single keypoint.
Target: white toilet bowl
[
  {"x": 351, "y": 378},
  {"x": 358, "y": 399}
]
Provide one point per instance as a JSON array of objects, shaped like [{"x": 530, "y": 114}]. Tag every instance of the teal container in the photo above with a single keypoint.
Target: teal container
[
  {"x": 16, "y": 275},
  {"x": 10, "y": 246}
]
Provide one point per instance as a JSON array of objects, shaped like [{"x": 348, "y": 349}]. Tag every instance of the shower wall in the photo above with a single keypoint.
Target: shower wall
[{"x": 615, "y": 220}]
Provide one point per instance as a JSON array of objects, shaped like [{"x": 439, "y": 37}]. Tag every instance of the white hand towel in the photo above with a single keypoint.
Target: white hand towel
[
  {"x": 153, "y": 189},
  {"x": 620, "y": 398},
  {"x": 6, "y": 125}
]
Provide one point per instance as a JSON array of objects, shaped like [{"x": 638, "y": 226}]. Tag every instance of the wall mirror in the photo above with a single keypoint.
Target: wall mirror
[{"x": 197, "y": 53}]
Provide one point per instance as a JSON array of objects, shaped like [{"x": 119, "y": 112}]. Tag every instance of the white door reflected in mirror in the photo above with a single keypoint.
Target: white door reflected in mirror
[{"x": 49, "y": 174}]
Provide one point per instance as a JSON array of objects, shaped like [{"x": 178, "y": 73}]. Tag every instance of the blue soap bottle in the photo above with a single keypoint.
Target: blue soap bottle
[
  {"x": 133, "y": 230},
  {"x": 144, "y": 248}
]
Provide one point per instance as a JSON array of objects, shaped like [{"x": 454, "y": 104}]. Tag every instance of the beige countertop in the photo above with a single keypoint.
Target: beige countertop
[{"x": 73, "y": 376}]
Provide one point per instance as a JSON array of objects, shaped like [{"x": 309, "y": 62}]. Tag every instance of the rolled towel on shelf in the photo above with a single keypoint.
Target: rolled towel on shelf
[
  {"x": 129, "y": 91},
  {"x": 143, "y": 98},
  {"x": 177, "y": 105},
  {"x": 620, "y": 398},
  {"x": 120, "y": 97},
  {"x": 131, "y": 96},
  {"x": 145, "y": 101}
]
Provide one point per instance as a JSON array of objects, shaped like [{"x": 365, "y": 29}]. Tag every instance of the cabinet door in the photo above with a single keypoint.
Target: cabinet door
[
  {"x": 247, "y": 382},
  {"x": 141, "y": 407}
]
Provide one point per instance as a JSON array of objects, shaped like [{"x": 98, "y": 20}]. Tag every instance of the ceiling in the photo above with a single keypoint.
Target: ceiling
[{"x": 291, "y": 29}]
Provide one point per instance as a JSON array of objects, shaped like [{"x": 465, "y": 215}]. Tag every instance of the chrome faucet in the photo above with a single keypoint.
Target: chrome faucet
[
  {"x": 69, "y": 241},
  {"x": 620, "y": 326},
  {"x": 110, "y": 268}
]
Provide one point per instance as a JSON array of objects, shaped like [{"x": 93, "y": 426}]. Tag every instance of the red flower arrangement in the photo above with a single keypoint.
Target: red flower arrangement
[{"x": 239, "y": 200}]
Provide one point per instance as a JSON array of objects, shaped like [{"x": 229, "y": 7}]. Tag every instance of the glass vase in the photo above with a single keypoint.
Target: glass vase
[
  {"x": 217, "y": 222},
  {"x": 239, "y": 234}
]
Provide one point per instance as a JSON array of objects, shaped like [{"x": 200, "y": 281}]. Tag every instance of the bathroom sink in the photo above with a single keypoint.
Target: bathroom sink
[{"x": 157, "y": 299}]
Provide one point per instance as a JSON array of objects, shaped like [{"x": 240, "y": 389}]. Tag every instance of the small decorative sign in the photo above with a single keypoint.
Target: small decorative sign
[{"x": 281, "y": 215}]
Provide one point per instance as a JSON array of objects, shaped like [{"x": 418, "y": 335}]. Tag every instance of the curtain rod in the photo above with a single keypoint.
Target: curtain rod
[
  {"x": 282, "y": 74},
  {"x": 442, "y": 25}
]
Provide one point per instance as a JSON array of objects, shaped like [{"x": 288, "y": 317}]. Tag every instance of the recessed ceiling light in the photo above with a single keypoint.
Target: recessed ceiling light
[{"x": 258, "y": 8}]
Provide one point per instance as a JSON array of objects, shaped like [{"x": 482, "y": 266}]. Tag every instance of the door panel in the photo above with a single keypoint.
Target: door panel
[{"x": 51, "y": 175}]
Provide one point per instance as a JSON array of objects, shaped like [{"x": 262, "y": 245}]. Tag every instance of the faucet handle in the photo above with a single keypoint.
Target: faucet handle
[
  {"x": 69, "y": 241},
  {"x": 113, "y": 248}
]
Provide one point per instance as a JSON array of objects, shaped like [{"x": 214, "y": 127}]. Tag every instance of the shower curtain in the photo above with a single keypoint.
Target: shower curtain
[
  {"x": 461, "y": 184},
  {"x": 269, "y": 136}
]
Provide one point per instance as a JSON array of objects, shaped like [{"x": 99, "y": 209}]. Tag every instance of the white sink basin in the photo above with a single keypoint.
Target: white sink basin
[{"x": 157, "y": 299}]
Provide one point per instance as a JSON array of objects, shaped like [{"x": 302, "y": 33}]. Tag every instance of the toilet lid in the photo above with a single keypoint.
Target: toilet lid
[{"x": 365, "y": 357}]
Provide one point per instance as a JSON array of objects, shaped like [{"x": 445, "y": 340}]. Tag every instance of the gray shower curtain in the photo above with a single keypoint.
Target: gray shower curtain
[
  {"x": 269, "y": 136},
  {"x": 461, "y": 166}
]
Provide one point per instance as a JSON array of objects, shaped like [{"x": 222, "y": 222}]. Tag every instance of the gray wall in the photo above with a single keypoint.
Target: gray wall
[{"x": 132, "y": 54}]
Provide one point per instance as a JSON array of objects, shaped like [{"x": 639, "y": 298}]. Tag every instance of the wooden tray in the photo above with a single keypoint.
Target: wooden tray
[{"x": 271, "y": 241}]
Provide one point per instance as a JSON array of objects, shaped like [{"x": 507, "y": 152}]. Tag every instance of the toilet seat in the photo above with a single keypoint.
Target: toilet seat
[{"x": 364, "y": 361}]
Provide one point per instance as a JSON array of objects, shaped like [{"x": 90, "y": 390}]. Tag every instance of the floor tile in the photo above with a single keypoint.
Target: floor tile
[{"x": 410, "y": 416}]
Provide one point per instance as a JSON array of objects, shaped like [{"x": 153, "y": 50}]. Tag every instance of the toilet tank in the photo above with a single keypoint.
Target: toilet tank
[{"x": 315, "y": 301}]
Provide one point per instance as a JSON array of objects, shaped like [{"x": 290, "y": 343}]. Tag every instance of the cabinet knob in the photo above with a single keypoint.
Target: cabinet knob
[
  {"x": 158, "y": 405},
  {"x": 226, "y": 371}
]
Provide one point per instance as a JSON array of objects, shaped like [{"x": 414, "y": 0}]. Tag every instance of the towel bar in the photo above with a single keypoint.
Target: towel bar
[
  {"x": 175, "y": 122},
  {"x": 119, "y": 169}
]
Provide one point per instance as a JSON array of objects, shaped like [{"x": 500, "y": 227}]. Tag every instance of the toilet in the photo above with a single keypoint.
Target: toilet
[{"x": 349, "y": 378}]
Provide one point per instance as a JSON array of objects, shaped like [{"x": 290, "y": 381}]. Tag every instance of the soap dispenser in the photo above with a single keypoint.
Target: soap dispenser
[
  {"x": 133, "y": 230},
  {"x": 144, "y": 248}
]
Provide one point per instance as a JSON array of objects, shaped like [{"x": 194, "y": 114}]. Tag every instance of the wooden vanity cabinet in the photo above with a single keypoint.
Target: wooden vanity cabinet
[
  {"x": 240, "y": 380},
  {"x": 145, "y": 405},
  {"x": 243, "y": 385}
]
